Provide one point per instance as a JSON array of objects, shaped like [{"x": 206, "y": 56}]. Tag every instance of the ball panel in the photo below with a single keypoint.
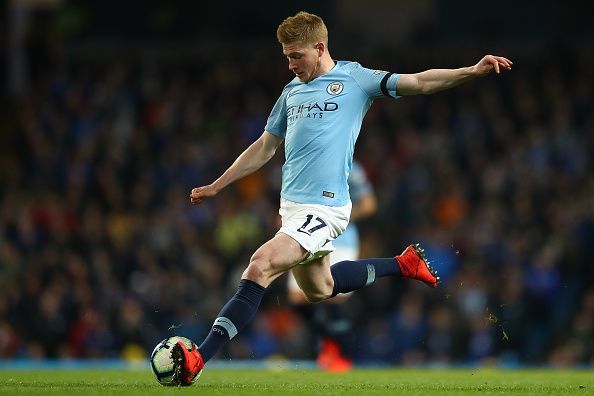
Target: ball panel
[{"x": 161, "y": 362}]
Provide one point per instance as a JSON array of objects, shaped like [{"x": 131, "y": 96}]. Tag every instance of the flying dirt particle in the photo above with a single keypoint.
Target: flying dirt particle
[{"x": 173, "y": 327}]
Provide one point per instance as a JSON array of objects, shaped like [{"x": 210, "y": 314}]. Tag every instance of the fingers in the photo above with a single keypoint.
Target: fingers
[
  {"x": 195, "y": 196},
  {"x": 500, "y": 61},
  {"x": 506, "y": 63},
  {"x": 494, "y": 63},
  {"x": 199, "y": 194},
  {"x": 196, "y": 201}
]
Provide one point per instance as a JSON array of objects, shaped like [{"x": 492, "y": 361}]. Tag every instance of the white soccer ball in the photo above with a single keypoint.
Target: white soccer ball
[{"x": 161, "y": 362}]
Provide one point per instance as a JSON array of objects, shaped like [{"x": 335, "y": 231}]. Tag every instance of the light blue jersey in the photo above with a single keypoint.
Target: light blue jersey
[
  {"x": 320, "y": 122},
  {"x": 358, "y": 187}
]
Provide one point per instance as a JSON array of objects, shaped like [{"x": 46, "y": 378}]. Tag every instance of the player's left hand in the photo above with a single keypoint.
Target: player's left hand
[{"x": 490, "y": 63}]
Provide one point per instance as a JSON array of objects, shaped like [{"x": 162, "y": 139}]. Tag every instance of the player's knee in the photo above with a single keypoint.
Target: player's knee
[
  {"x": 258, "y": 267},
  {"x": 320, "y": 294},
  {"x": 255, "y": 272}
]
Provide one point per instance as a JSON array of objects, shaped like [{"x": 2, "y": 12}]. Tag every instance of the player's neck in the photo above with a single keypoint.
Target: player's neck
[{"x": 326, "y": 64}]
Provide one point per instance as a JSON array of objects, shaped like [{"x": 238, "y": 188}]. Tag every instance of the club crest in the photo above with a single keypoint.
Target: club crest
[{"x": 335, "y": 88}]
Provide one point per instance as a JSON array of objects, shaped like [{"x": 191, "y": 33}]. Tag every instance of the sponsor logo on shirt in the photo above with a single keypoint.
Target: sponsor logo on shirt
[{"x": 310, "y": 110}]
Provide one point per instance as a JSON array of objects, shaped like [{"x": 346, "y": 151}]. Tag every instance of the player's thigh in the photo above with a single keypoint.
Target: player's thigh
[
  {"x": 274, "y": 257},
  {"x": 314, "y": 278}
]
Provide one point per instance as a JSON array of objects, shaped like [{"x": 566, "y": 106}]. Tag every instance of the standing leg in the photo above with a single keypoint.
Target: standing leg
[{"x": 271, "y": 260}]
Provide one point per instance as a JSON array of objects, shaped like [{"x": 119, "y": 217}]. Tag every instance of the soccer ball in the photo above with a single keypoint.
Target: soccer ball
[{"x": 161, "y": 362}]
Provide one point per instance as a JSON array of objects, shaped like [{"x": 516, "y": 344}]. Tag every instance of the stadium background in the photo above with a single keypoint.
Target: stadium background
[{"x": 113, "y": 111}]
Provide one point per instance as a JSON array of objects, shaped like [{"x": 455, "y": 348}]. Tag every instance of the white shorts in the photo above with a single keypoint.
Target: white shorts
[
  {"x": 313, "y": 226},
  {"x": 340, "y": 253}
]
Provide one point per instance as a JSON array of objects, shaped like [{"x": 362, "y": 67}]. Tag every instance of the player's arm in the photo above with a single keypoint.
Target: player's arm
[
  {"x": 252, "y": 159},
  {"x": 436, "y": 80},
  {"x": 364, "y": 207}
]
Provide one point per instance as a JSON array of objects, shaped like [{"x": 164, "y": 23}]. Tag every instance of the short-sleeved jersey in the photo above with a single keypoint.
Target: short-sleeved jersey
[
  {"x": 359, "y": 186},
  {"x": 320, "y": 122}
]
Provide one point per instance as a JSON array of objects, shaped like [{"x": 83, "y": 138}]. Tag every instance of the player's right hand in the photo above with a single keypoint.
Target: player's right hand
[{"x": 199, "y": 194}]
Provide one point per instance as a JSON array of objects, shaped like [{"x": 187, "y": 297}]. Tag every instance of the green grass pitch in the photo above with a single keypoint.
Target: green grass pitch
[{"x": 360, "y": 382}]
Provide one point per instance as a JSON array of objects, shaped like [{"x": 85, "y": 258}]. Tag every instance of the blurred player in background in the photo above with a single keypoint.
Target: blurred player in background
[
  {"x": 331, "y": 319},
  {"x": 318, "y": 116}
]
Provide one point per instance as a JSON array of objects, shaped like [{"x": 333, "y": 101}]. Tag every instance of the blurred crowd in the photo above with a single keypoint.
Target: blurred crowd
[{"x": 102, "y": 255}]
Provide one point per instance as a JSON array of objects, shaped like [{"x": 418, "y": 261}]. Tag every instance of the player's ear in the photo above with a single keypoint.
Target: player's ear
[{"x": 320, "y": 48}]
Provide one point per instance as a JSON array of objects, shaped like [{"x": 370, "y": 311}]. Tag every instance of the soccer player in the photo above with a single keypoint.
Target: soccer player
[
  {"x": 318, "y": 116},
  {"x": 331, "y": 318}
]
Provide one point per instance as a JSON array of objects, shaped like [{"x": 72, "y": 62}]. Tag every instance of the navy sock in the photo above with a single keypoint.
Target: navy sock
[
  {"x": 353, "y": 275},
  {"x": 233, "y": 317}
]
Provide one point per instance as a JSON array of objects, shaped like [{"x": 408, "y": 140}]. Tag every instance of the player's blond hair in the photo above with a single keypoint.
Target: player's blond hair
[{"x": 304, "y": 28}]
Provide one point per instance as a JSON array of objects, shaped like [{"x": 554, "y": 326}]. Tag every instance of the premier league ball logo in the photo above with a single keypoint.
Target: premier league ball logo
[{"x": 335, "y": 88}]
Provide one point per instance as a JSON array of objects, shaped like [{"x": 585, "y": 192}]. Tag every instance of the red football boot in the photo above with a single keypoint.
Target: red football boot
[
  {"x": 331, "y": 358},
  {"x": 413, "y": 264},
  {"x": 187, "y": 364}
]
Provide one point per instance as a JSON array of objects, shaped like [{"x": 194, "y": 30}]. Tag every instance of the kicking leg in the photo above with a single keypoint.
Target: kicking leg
[
  {"x": 353, "y": 275},
  {"x": 317, "y": 277}
]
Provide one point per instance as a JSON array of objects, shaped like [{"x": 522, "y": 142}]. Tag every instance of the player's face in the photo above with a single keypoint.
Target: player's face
[{"x": 304, "y": 60}]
